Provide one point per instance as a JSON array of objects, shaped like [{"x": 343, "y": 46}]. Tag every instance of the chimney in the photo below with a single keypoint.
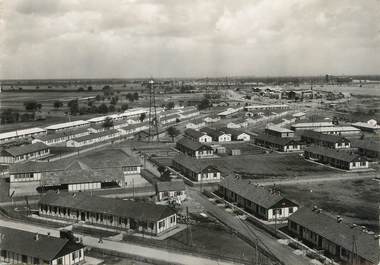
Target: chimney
[{"x": 36, "y": 237}]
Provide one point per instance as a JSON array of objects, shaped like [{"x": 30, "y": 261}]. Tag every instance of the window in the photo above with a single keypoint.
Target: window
[
  {"x": 172, "y": 219},
  {"x": 36, "y": 261},
  {"x": 24, "y": 259},
  {"x": 80, "y": 253},
  {"x": 74, "y": 255},
  {"x": 290, "y": 209},
  {"x": 161, "y": 224}
]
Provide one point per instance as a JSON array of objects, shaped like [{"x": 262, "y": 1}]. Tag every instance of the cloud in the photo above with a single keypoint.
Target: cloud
[{"x": 88, "y": 38}]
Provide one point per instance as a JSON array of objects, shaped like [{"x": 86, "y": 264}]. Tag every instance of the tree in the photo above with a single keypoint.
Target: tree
[
  {"x": 170, "y": 105},
  {"x": 142, "y": 116},
  {"x": 130, "y": 97},
  {"x": 58, "y": 104},
  {"x": 74, "y": 106},
  {"x": 9, "y": 116},
  {"x": 98, "y": 97},
  {"x": 81, "y": 89},
  {"x": 114, "y": 100},
  {"x": 89, "y": 88},
  {"x": 103, "y": 108},
  {"x": 107, "y": 91},
  {"x": 32, "y": 105},
  {"x": 124, "y": 107},
  {"x": 204, "y": 104},
  {"x": 173, "y": 132},
  {"x": 108, "y": 123},
  {"x": 136, "y": 96},
  {"x": 111, "y": 108}
]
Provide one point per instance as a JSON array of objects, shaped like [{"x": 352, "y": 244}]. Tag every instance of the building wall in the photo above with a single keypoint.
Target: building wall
[
  {"x": 25, "y": 177},
  {"x": 166, "y": 224},
  {"x": 106, "y": 219},
  {"x": 205, "y": 139},
  {"x": 224, "y": 138},
  {"x": 84, "y": 186},
  {"x": 75, "y": 257},
  {"x": 244, "y": 137},
  {"x": 163, "y": 195}
]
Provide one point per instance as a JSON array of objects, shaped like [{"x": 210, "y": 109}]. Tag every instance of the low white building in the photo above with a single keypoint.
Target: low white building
[
  {"x": 23, "y": 247},
  {"x": 267, "y": 204},
  {"x": 171, "y": 190},
  {"x": 198, "y": 136},
  {"x": 237, "y": 135},
  {"x": 24, "y": 153},
  {"x": 67, "y": 126},
  {"x": 196, "y": 124},
  {"x": 61, "y": 137},
  {"x": 20, "y": 134},
  {"x": 93, "y": 138},
  {"x": 217, "y": 136}
]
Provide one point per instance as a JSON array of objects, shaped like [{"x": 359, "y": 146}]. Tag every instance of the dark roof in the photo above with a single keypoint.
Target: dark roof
[
  {"x": 335, "y": 153},
  {"x": 192, "y": 145},
  {"x": 321, "y": 137},
  {"x": 197, "y": 121},
  {"x": 170, "y": 116},
  {"x": 195, "y": 165},
  {"x": 26, "y": 149},
  {"x": 212, "y": 132},
  {"x": 45, "y": 248},
  {"x": 141, "y": 211},
  {"x": 251, "y": 191},
  {"x": 194, "y": 133},
  {"x": 95, "y": 135},
  {"x": 174, "y": 185},
  {"x": 275, "y": 140},
  {"x": 341, "y": 234},
  {"x": 78, "y": 172},
  {"x": 109, "y": 158}
]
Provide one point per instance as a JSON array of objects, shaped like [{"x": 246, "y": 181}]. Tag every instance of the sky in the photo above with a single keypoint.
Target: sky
[{"x": 187, "y": 38}]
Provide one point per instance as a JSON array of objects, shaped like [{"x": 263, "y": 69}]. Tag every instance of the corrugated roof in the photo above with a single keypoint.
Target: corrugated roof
[
  {"x": 233, "y": 132},
  {"x": 26, "y": 149},
  {"x": 212, "y": 132},
  {"x": 139, "y": 211},
  {"x": 23, "y": 242},
  {"x": 339, "y": 233},
  {"x": 250, "y": 191},
  {"x": 313, "y": 124},
  {"x": 68, "y": 133},
  {"x": 335, "y": 153},
  {"x": 278, "y": 129}
]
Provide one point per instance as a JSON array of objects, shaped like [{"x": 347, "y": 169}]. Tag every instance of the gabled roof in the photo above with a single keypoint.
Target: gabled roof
[
  {"x": 109, "y": 158},
  {"x": 341, "y": 234},
  {"x": 313, "y": 124},
  {"x": 195, "y": 165},
  {"x": 212, "y": 132},
  {"x": 317, "y": 136},
  {"x": 275, "y": 140},
  {"x": 250, "y": 191},
  {"x": 26, "y": 149},
  {"x": 192, "y": 145},
  {"x": 233, "y": 132},
  {"x": 278, "y": 129},
  {"x": 197, "y": 121},
  {"x": 23, "y": 242},
  {"x": 174, "y": 185},
  {"x": 139, "y": 211},
  {"x": 21, "y": 133},
  {"x": 194, "y": 133},
  {"x": 334, "y": 153},
  {"x": 67, "y": 125}
]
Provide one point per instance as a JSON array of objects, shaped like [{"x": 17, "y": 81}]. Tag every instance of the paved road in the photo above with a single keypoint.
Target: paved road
[
  {"x": 123, "y": 247},
  {"x": 282, "y": 252}
]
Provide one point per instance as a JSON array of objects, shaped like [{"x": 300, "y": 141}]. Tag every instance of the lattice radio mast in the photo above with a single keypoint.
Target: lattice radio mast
[{"x": 153, "y": 121}]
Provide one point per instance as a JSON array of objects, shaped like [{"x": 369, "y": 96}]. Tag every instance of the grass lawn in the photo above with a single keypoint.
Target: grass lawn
[
  {"x": 209, "y": 239},
  {"x": 356, "y": 200},
  {"x": 270, "y": 165}
]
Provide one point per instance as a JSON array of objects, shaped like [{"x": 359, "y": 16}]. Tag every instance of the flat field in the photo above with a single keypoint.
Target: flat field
[
  {"x": 271, "y": 165},
  {"x": 355, "y": 200}
]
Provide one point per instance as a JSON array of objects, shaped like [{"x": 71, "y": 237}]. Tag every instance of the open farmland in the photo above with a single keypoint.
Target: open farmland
[
  {"x": 356, "y": 200},
  {"x": 271, "y": 165}
]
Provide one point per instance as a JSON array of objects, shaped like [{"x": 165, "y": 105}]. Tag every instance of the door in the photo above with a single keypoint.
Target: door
[{"x": 82, "y": 216}]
